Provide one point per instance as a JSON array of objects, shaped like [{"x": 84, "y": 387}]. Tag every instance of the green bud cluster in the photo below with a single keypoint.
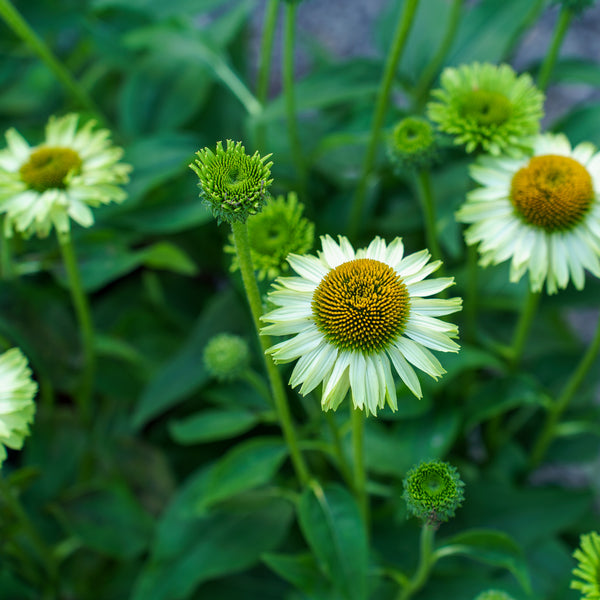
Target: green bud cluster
[
  {"x": 233, "y": 184},
  {"x": 433, "y": 491},
  {"x": 413, "y": 144},
  {"x": 226, "y": 356},
  {"x": 279, "y": 230}
]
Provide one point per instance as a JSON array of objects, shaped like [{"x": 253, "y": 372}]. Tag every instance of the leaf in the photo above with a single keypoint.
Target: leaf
[
  {"x": 185, "y": 372},
  {"x": 191, "y": 548},
  {"x": 332, "y": 525},
  {"x": 212, "y": 425},
  {"x": 108, "y": 519},
  {"x": 302, "y": 571},
  {"x": 393, "y": 451},
  {"x": 577, "y": 71},
  {"x": 491, "y": 547},
  {"x": 168, "y": 257},
  {"x": 581, "y": 124},
  {"x": 247, "y": 466}
]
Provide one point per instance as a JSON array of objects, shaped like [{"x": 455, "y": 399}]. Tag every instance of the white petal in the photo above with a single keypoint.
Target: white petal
[
  {"x": 309, "y": 267},
  {"x": 406, "y": 372},
  {"x": 420, "y": 357}
]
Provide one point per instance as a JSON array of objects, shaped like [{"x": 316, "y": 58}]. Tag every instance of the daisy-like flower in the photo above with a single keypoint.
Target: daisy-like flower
[
  {"x": 352, "y": 313},
  {"x": 277, "y": 231},
  {"x": 588, "y": 569},
  {"x": 489, "y": 107},
  {"x": 70, "y": 171},
  {"x": 17, "y": 408},
  {"x": 541, "y": 212}
]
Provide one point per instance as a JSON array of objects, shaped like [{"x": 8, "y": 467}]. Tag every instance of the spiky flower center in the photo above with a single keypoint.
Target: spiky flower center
[
  {"x": 48, "y": 168},
  {"x": 552, "y": 192},
  {"x": 486, "y": 107},
  {"x": 361, "y": 305}
]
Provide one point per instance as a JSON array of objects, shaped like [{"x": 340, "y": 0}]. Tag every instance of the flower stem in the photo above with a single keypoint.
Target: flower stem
[
  {"x": 524, "y": 323},
  {"x": 264, "y": 66},
  {"x": 6, "y": 263},
  {"x": 360, "y": 475},
  {"x": 288, "y": 92},
  {"x": 431, "y": 70},
  {"x": 556, "y": 410},
  {"x": 21, "y": 28},
  {"x": 427, "y": 204},
  {"x": 399, "y": 41},
  {"x": 86, "y": 327},
  {"x": 343, "y": 465},
  {"x": 562, "y": 25},
  {"x": 242, "y": 246},
  {"x": 471, "y": 295},
  {"x": 426, "y": 562}
]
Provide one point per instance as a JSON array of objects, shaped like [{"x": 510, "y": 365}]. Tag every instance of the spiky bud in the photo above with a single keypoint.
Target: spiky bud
[{"x": 226, "y": 356}]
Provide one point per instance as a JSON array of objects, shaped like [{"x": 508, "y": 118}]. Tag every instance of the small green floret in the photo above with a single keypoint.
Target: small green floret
[
  {"x": 279, "y": 230},
  {"x": 433, "y": 491},
  {"x": 226, "y": 356},
  {"x": 588, "y": 569},
  {"x": 494, "y": 595},
  {"x": 488, "y": 107},
  {"x": 233, "y": 184},
  {"x": 412, "y": 144}
]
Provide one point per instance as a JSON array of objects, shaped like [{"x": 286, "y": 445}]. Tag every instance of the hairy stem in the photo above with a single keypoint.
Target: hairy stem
[
  {"x": 426, "y": 562},
  {"x": 360, "y": 475},
  {"x": 242, "y": 246},
  {"x": 425, "y": 191}
]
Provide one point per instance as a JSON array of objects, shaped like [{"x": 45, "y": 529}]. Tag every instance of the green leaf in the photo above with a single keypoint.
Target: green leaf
[
  {"x": 247, "y": 466},
  {"x": 577, "y": 71},
  {"x": 108, "y": 519},
  {"x": 185, "y": 372},
  {"x": 211, "y": 425},
  {"x": 580, "y": 124},
  {"x": 302, "y": 571},
  {"x": 332, "y": 525},
  {"x": 191, "y": 548},
  {"x": 491, "y": 547},
  {"x": 393, "y": 451},
  {"x": 168, "y": 257}
]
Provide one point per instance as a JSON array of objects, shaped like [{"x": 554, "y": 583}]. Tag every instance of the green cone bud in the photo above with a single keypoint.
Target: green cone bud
[
  {"x": 226, "y": 356},
  {"x": 413, "y": 144}
]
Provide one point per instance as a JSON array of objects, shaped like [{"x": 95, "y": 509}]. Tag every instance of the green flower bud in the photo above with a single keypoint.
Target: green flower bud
[
  {"x": 233, "y": 184},
  {"x": 588, "y": 569},
  {"x": 277, "y": 231},
  {"x": 494, "y": 595},
  {"x": 413, "y": 144},
  {"x": 433, "y": 491},
  {"x": 226, "y": 356}
]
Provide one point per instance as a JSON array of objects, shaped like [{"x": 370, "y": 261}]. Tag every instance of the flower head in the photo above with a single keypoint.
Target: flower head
[
  {"x": 494, "y": 595},
  {"x": 72, "y": 170},
  {"x": 277, "y": 231},
  {"x": 489, "y": 107},
  {"x": 433, "y": 491},
  {"x": 413, "y": 144},
  {"x": 226, "y": 356},
  {"x": 17, "y": 408},
  {"x": 542, "y": 212},
  {"x": 352, "y": 312},
  {"x": 232, "y": 184},
  {"x": 588, "y": 569}
]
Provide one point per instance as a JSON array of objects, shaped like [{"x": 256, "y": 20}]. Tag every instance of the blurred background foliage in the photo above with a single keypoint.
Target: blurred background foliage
[{"x": 181, "y": 488}]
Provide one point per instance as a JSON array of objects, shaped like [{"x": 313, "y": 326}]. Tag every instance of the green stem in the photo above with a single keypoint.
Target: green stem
[
  {"x": 524, "y": 323},
  {"x": 562, "y": 25},
  {"x": 535, "y": 10},
  {"x": 426, "y": 562},
  {"x": 242, "y": 246},
  {"x": 426, "y": 197},
  {"x": 556, "y": 410},
  {"x": 343, "y": 465},
  {"x": 431, "y": 70},
  {"x": 86, "y": 327},
  {"x": 40, "y": 547},
  {"x": 360, "y": 474},
  {"x": 288, "y": 92},
  {"x": 6, "y": 263},
  {"x": 264, "y": 66},
  {"x": 471, "y": 294},
  {"x": 398, "y": 43},
  {"x": 258, "y": 383},
  {"x": 22, "y": 29}
]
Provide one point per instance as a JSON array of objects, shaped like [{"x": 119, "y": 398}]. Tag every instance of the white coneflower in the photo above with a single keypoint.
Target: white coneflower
[{"x": 353, "y": 313}]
